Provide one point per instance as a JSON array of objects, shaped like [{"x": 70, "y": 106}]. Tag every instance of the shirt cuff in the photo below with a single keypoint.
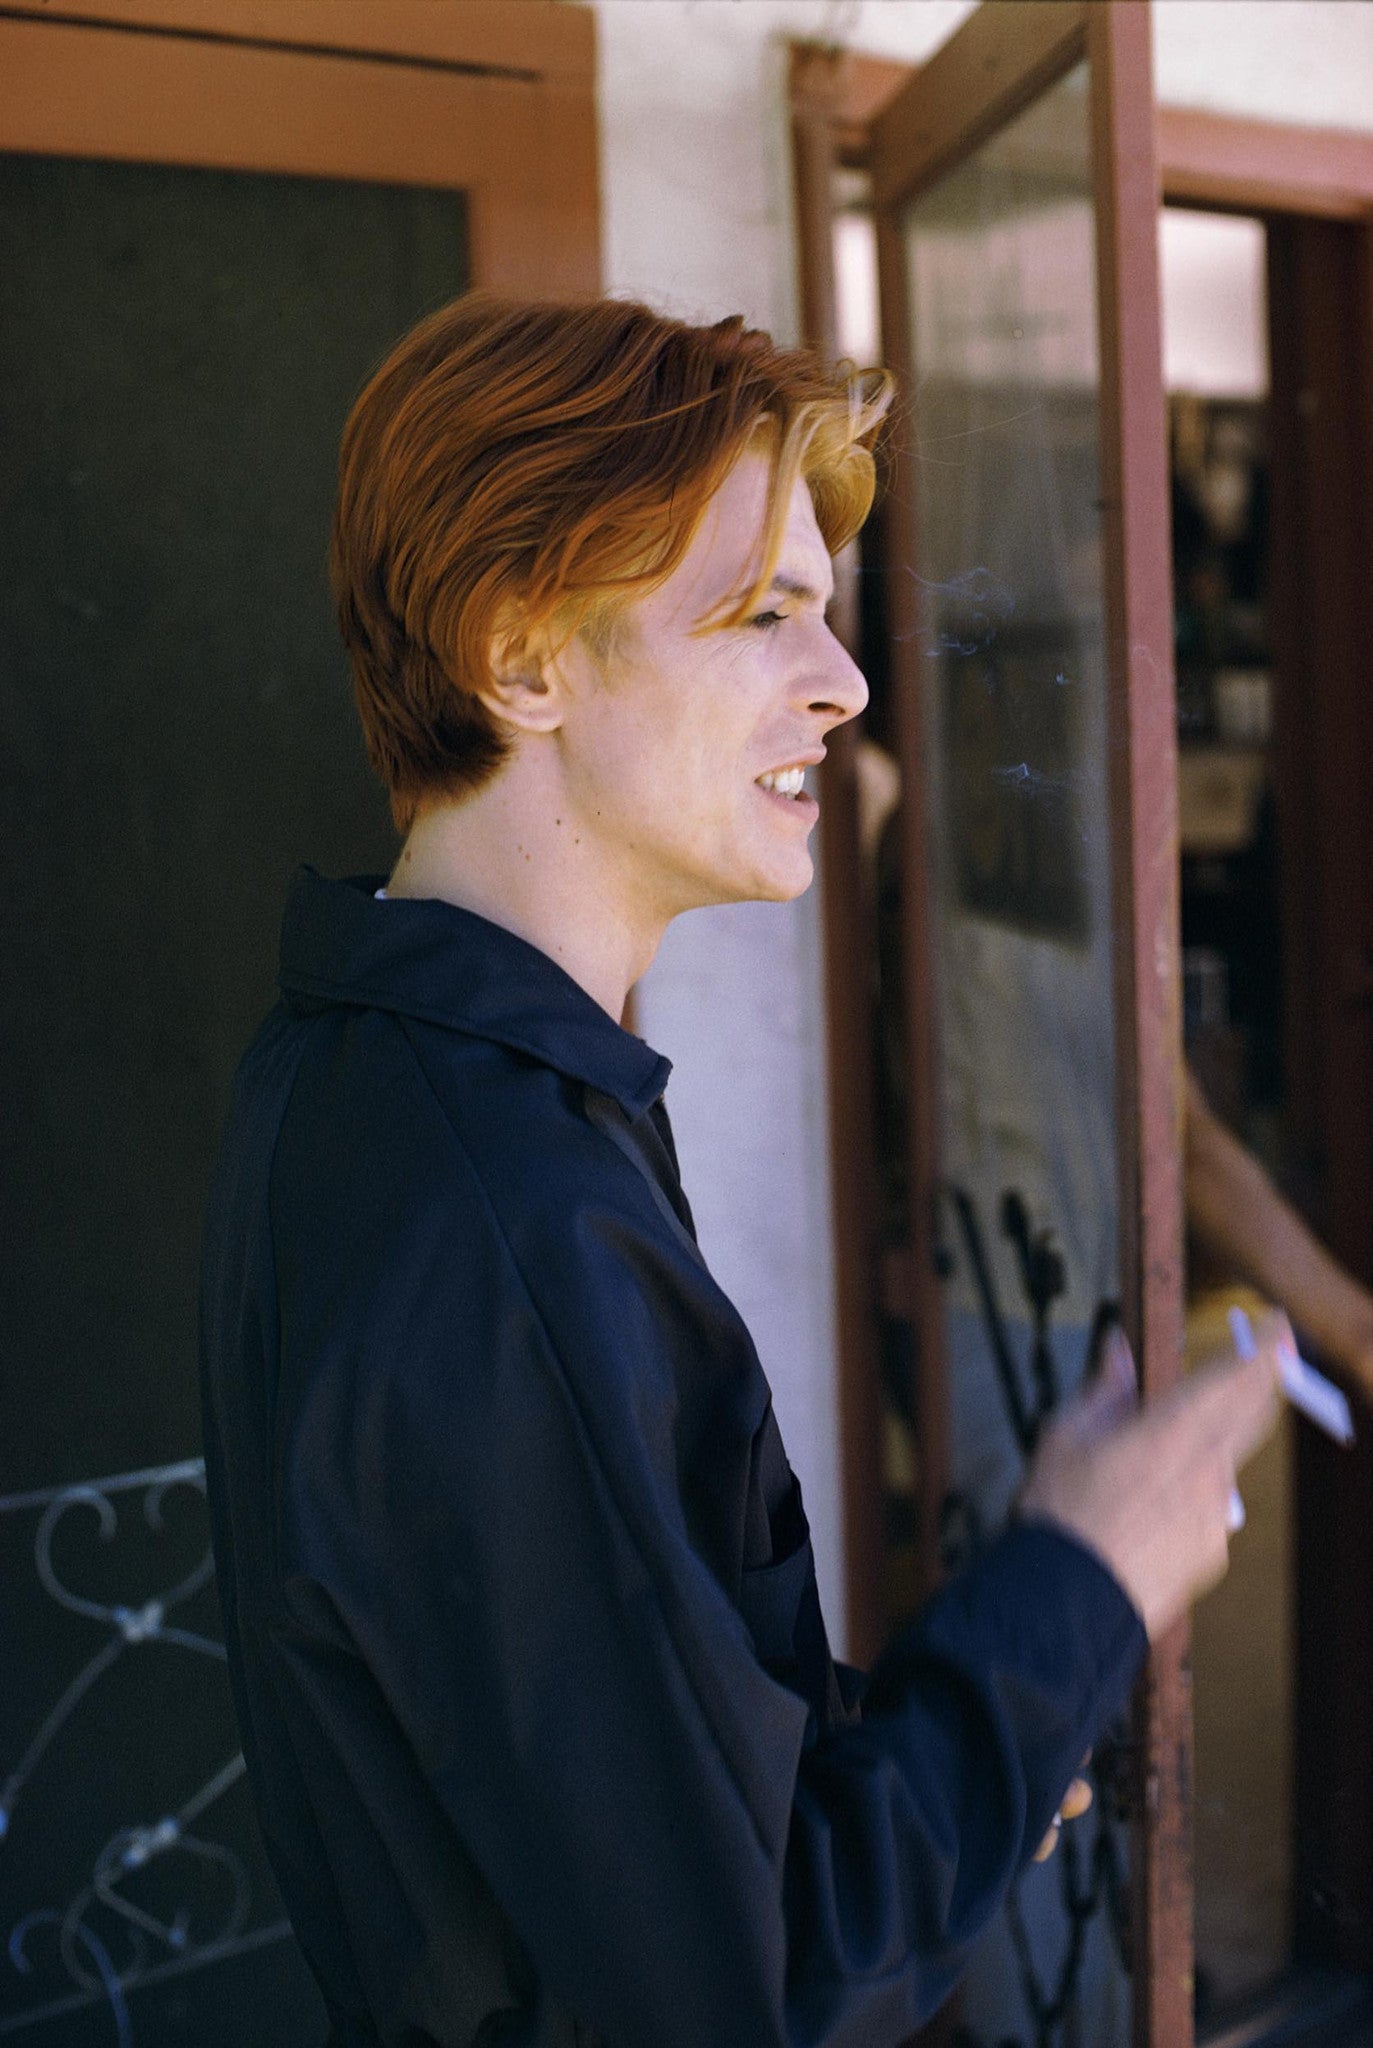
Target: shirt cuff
[{"x": 1039, "y": 1636}]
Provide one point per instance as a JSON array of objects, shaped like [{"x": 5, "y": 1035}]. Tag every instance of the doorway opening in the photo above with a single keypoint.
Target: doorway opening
[
  {"x": 1215, "y": 329},
  {"x": 1282, "y": 1878}
]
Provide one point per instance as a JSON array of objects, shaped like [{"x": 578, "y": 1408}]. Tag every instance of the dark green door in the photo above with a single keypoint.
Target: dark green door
[{"x": 178, "y": 350}]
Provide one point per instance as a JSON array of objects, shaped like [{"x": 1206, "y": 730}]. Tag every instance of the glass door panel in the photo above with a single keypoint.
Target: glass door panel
[
  {"x": 1000, "y": 262},
  {"x": 1016, "y": 195}
]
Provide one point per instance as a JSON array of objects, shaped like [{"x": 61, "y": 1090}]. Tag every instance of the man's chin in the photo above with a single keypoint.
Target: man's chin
[
  {"x": 773, "y": 884},
  {"x": 783, "y": 885}
]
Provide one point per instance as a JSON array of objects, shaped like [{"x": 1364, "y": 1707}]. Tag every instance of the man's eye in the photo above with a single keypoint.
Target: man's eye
[{"x": 766, "y": 620}]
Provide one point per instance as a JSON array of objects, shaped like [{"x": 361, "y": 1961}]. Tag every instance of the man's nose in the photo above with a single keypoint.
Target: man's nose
[{"x": 841, "y": 691}]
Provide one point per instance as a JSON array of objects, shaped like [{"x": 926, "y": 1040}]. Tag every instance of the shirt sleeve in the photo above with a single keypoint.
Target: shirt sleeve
[{"x": 479, "y": 1478}]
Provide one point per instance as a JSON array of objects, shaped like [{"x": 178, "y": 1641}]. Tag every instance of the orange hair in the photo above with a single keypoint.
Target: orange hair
[{"x": 531, "y": 470}]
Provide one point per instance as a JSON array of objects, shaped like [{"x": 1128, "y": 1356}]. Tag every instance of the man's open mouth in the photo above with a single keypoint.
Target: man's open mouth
[{"x": 784, "y": 781}]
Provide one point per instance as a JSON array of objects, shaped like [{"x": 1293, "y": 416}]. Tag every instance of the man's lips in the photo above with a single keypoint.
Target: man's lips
[
  {"x": 801, "y": 806},
  {"x": 788, "y": 779}
]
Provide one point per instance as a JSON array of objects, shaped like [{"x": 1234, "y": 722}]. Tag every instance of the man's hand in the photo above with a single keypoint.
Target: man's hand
[{"x": 1149, "y": 1489}]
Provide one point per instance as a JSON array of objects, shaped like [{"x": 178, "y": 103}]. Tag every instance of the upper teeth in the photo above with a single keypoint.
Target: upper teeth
[{"x": 786, "y": 781}]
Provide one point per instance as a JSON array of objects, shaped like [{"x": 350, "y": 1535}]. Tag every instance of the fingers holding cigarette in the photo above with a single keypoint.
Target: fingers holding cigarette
[
  {"x": 1317, "y": 1398},
  {"x": 1151, "y": 1490}
]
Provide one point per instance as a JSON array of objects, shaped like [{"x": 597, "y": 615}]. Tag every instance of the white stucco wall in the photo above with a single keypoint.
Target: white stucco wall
[
  {"x": 1308, "y": 61},
  {"x": 697, "y": 213},
  {"x": 697, "y": 218}
]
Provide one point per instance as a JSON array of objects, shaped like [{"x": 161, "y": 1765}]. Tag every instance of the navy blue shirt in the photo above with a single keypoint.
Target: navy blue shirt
[{"x": 538, "y": 1708}]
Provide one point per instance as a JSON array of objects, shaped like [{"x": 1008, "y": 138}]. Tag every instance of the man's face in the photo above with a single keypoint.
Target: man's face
[{"x": 669, "y": 744}]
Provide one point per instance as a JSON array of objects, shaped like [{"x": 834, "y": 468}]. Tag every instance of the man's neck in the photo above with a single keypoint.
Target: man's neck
[{"x": 507, "y": 853}]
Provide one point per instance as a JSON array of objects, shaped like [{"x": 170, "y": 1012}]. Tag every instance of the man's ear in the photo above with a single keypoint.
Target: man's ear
[{"x": 525, "y": 690}]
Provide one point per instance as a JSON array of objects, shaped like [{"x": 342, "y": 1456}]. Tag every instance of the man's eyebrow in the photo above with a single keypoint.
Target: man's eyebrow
[{"x": 792, "y": 586}]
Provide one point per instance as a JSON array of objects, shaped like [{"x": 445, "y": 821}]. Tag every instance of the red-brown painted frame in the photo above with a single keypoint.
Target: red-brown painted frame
[
  {"x": 496, "y": 97},
  {"x": 1218, "y": 160},
  {"x": 1142, "y": 750},
  {"x": 818, "y": 80}
]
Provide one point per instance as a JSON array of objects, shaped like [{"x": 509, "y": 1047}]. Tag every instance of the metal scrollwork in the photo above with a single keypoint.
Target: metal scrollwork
[
  {"x": 1093, "y": 1881},
  {"x": 116, "y": 1929}
]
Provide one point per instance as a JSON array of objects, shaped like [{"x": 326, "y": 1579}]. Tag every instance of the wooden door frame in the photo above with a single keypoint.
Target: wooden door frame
[
  {"x": 496, "y": 97},
  {"x": 847, "y": 911},
  {"x": 1221, "y": 163}
]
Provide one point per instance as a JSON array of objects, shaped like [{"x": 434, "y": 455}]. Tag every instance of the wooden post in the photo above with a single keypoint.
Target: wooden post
[
  {"x": 1143, "y": 797},
  {"x": 850, "y": 940}
]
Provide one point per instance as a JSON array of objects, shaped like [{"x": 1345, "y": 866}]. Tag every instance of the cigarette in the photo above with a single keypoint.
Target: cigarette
[{"x": 1319, "y": 1400}]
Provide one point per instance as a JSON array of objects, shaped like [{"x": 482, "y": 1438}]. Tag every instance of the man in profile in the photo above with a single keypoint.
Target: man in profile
[{"x": 536, "y": 1697}]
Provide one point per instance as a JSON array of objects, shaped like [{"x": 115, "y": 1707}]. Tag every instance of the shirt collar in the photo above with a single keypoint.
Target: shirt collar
[{"x": 430, "y": 960}]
